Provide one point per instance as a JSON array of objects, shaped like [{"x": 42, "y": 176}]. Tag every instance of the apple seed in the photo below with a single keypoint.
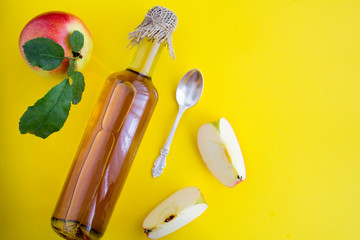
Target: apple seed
[{"x": 169, "y": 218}]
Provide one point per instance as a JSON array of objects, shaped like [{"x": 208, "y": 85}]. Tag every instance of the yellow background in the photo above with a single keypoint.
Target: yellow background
[{"x": 286, "y": 74}]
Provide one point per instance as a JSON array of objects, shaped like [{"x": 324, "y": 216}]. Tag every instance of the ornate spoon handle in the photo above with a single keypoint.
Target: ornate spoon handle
[{"x": 160, "y": 162}]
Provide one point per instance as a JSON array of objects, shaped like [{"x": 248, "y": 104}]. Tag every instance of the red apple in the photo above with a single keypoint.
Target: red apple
[{"x": 57, "y": 26}]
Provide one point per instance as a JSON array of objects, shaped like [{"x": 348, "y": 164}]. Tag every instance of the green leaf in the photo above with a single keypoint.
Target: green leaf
[
  {"x": 77, "y": 86},
  {"x": 44, "y": 53},
  {"x": 71, "y": 67},
  {"x": 49, "y": 113},
  {"x": 76, "y": 41}
]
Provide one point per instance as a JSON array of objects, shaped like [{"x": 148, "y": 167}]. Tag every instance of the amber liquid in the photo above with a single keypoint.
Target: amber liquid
[{"x": 104, "y": 157}]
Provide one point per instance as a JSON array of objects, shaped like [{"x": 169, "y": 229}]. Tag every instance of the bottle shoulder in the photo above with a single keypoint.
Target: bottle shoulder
[{"x": 141, "y": 83}]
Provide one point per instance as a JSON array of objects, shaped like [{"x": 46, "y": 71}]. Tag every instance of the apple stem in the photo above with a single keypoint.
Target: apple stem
[{"x": 77, "y": 55}]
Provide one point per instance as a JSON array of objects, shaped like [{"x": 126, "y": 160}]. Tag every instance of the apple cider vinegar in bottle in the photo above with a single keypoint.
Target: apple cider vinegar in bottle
[{"x": 113, "y": 135}]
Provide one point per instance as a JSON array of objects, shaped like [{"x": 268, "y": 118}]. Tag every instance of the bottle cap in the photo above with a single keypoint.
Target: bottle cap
[{"x": 159, "y": 23}]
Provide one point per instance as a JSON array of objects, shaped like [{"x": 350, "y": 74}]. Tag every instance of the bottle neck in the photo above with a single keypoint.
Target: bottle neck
[{"x": 146, "y": 57}]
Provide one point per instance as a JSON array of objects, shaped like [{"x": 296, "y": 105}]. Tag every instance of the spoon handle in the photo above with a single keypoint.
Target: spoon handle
[{"x": 160, "y": 162}]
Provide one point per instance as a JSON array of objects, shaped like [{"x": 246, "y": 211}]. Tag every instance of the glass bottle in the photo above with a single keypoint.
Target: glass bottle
[{"x": 108, "y": 147}]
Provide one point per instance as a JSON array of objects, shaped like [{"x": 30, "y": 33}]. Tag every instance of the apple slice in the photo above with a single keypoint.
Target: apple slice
[
  {"x": 174, "y": 212},
  {"x": 221, "y": 152}
]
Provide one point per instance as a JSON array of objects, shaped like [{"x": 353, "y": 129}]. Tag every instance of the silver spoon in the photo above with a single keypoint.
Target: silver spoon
[{"x": 188, "y": 93}]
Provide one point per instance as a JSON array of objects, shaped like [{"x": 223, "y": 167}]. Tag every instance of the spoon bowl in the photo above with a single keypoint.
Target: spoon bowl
[{"x": 190, "y": 88}]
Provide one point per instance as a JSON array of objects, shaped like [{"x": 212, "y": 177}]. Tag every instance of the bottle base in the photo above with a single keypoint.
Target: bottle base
[{"x": 73, "y": 230}]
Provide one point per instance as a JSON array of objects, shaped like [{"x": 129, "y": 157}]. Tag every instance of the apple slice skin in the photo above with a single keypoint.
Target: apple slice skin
[
  {"x": 221, "y": 152},
  {"x": 174, "y": 212}
]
